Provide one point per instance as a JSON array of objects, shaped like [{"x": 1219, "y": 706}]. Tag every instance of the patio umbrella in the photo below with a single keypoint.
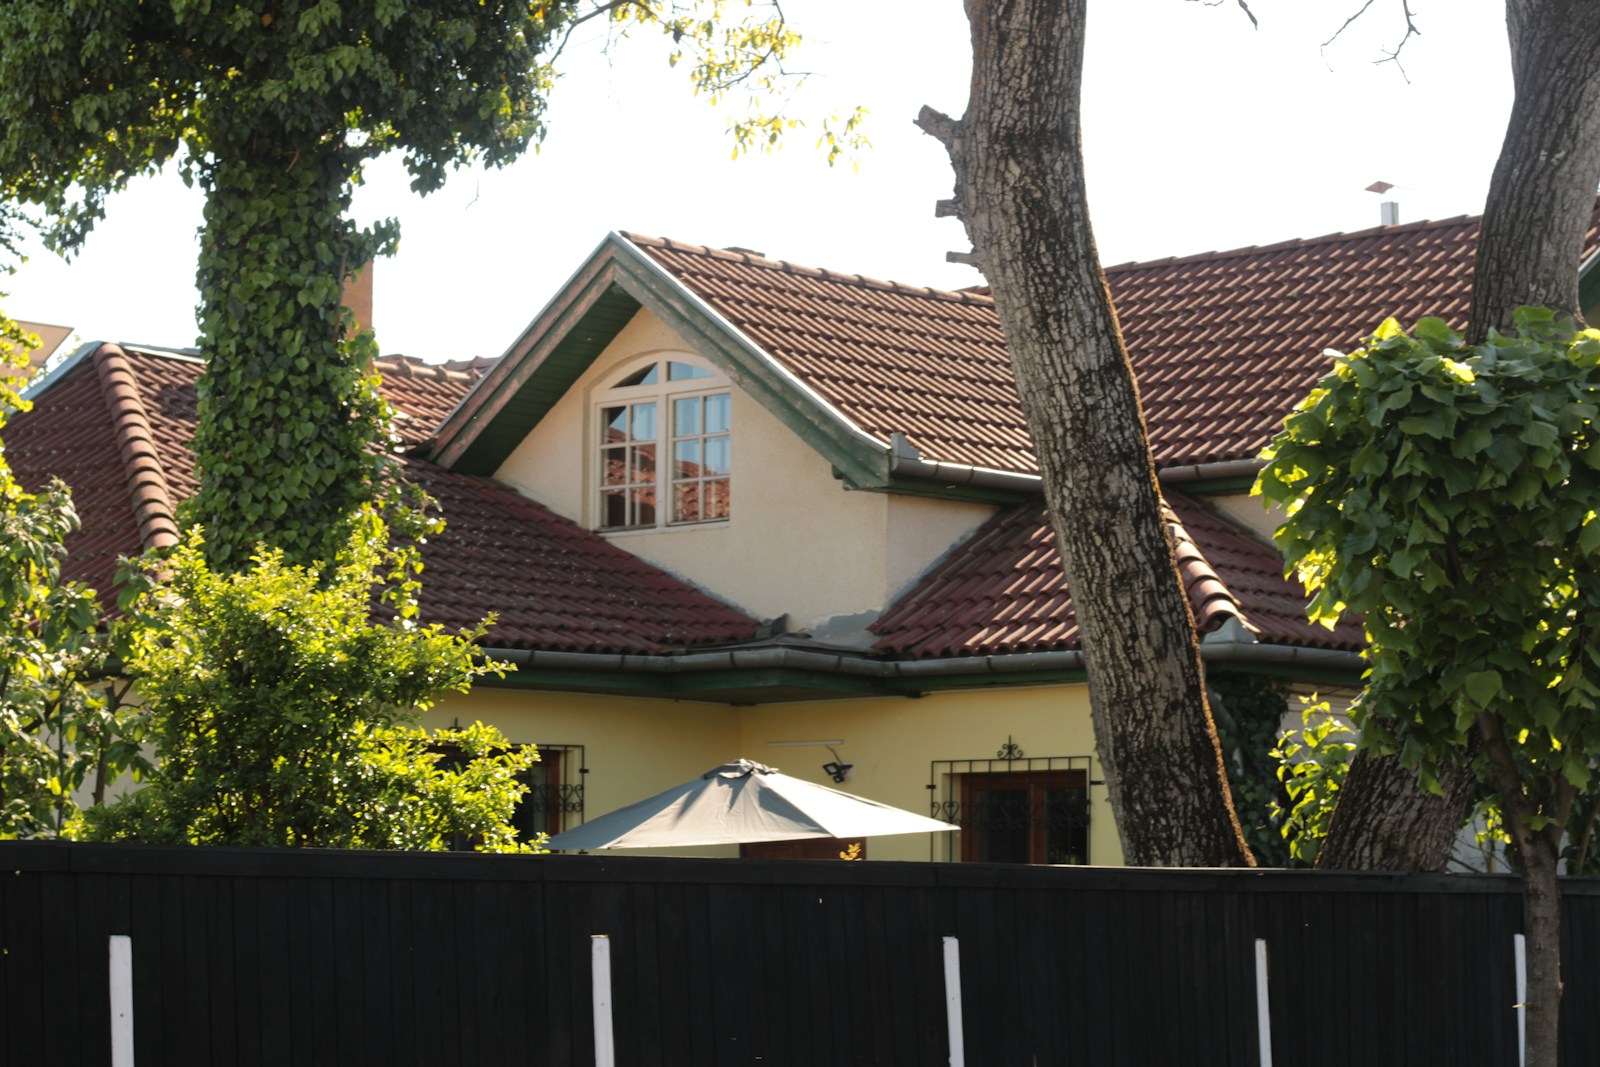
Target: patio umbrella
[{"x": 743, "y": 801}]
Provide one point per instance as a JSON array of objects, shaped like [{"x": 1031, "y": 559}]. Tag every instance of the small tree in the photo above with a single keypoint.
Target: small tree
[
  {"x": 1448, "y": 493},
  {"x": 283, "y": 714}
]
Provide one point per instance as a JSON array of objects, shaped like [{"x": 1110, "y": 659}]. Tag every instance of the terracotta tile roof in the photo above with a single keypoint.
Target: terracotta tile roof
[
  {"x": 1224, "y": 344},
  {"x": 116, "y": 429},
  {"x": 422, "y": 394},
  {"x": 1003, "y": 591}
]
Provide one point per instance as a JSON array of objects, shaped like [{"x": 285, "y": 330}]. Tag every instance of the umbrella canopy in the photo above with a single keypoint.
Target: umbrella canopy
[{"x": 739, "y": 802}]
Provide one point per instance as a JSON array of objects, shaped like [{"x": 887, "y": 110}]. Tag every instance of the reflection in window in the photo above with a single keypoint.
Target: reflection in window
[{"x": 695, "y": 434}]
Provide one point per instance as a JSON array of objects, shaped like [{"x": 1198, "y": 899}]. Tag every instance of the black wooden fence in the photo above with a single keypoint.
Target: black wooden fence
[{"x": 270, "y": 957}]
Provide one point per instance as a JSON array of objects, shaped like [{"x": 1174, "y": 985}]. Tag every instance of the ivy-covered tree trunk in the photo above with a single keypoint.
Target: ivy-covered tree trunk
[
  {"x": 1020, "y": 192},
  {"x": 289, "y": 412},
  {"x": 1542, "y": 193}
]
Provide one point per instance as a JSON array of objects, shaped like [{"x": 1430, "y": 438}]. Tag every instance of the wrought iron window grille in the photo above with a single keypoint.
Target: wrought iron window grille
[{"x": 1012, "y": 808}]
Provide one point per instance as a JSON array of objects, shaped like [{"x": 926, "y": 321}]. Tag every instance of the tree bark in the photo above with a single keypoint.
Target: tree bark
[
  {"x": 1542, "y": 193},
  {"x": 1020, "y": 193},
  {"x": 1385, "y": 822}
]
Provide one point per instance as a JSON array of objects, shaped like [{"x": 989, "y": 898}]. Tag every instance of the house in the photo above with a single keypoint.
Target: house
[{"x": 729, "y": 506}]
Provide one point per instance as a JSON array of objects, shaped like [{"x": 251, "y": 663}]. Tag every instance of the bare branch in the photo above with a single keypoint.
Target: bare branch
[
  {"x": 939, "y": 126},
  {"x": 1388, "y": 56},
  {"x": 1340, "y": 31},
  {"x": 1243, "y": 6},
  {"x": 1411, "y": 31}
]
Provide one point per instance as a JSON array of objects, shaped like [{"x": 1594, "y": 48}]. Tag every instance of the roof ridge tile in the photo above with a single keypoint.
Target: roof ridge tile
[{"x": 136, "y": 441}]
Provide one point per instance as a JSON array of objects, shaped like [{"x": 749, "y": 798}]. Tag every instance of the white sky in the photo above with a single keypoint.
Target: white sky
[{"x": 1200, "y": 134}]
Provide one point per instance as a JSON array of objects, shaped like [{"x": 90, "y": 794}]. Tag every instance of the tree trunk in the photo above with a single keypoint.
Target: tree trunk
[
  {"x": 1542, "y": 193},
  {"x": 1020, "y": 193},
  {"x": 1541, "y": 926},
  {"x": 1385, "y": 822}
]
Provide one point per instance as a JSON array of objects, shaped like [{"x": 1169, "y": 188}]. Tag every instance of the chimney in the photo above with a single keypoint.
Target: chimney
[
  {"x": 358, "y": 297},
  {"x": 1388, "y": 210}
]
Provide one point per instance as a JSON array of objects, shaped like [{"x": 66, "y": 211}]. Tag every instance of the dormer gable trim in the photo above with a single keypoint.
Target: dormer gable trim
[{"x": 600, "y": 299}]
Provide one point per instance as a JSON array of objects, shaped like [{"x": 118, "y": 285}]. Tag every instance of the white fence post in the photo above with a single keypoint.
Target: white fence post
[
  {"x": 1263, "y": 1005},
  {"x": 605, "y": 1049},
  {"x": 952, "y": 1001},
  {"x": 121, "y": 1000},
  {"x": 1519, "y": 954}
]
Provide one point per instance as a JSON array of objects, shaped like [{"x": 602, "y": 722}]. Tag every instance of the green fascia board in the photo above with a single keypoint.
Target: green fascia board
[
  {"x": 762, "y": 686},
  {"x": 1218, "y": 486},
  {"x": 600, "y": 299},
  {"x": 1291, "y": 672},
  {"x": 933, "y": 487},
  {"x": 750, "y": 686}
]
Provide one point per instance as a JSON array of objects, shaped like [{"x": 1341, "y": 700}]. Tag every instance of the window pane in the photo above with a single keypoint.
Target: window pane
[
  {"x": 613, "y": 466},
  {"x": 644, "y": 503},
  {"x": 614, "y": 508},
  {"x": 613, "y": 425},
  {"x": 649, "y": 376},
  {"x": 644, "y": 465},
  {"x": 644, "y": 422},
  {"x": 1002, "y": 825},
  {"x": 715, "y": 497},
  {"x": 686, "y": 459},
  {"x": 686, "y": 416},
  {"x": 716, "y": 456},
  {"x": 1066, "y": 819},
  {"x": 686, "y": 502},
  {"x": 682, "y": 372},
  {"x": 717, "y": 413}
]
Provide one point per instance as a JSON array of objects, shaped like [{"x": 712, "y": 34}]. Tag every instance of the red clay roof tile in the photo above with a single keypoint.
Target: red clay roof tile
[
  {"x": 556, "y": 585},
  {"x": 1004, "y": 591},
  {"x": 1224, "y": 344}
]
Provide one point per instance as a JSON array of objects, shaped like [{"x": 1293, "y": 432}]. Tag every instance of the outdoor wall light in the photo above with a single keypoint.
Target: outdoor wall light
[{"x": 837, "y": 771}]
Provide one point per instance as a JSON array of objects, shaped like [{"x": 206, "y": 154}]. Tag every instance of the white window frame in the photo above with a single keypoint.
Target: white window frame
[{"x": 662, "y": 393}]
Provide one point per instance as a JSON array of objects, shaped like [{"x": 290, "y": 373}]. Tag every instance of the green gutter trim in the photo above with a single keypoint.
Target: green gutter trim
[{"x": 739, "y": 670}]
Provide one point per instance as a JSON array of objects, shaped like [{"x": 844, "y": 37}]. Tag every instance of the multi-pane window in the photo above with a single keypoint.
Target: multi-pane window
[
  {"x": 1013, "y": 809},
  {"x": 700, "y": 458},
  {"x": 669, "y": 408}
]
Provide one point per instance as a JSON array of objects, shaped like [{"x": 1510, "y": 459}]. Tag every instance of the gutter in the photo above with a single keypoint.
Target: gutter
[
  {"x": 905, "y": 460},
  {"x": 769, "y": 658},
  {"x": 1206, "y": 472}
]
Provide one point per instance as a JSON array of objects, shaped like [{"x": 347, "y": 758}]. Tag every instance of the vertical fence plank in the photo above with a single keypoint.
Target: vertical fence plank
[
  {"x": 605, "y": 1052},
  {"x": 952, "y": 1002},
  {"x": 121, "y": 975},
  {"x": 1519, "y": 956},
  {"x": 1263, "y": 1006}
]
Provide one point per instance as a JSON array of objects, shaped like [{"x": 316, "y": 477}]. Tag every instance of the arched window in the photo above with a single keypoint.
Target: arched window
[{"x": 668, "y": 408}]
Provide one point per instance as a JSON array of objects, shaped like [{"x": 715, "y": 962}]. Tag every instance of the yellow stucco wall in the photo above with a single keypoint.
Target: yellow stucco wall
[
  {"x": 1249, "y": 510},
  {"x": 797, "y": 541},
  {"x": 635, "y": 748}
]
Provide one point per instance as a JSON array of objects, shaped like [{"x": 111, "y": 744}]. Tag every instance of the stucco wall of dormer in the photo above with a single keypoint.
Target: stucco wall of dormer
[
  {"x": 1250, "y": 511},
  {"x": 797, "y": 542}
]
